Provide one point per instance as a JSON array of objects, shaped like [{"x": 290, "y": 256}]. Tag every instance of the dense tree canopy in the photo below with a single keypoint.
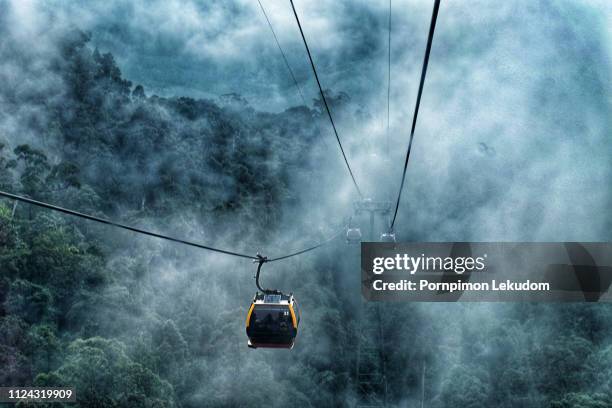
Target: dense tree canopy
[{"x": 132, "y": 321}]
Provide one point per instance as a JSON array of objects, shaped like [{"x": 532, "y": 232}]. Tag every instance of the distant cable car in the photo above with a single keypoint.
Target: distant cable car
[
  {"x": 353, "y": 235},
  {"x": 273, "y": 318},
  {"x": 272, "y": 321},
  {"x": 387, "y": 236}
]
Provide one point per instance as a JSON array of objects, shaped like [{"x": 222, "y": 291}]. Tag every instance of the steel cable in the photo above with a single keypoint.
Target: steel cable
[{"x": 432, "y": 28}]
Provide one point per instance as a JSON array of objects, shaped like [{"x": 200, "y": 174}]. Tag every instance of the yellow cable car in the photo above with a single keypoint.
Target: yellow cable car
[{"x": 272, "y": 321}]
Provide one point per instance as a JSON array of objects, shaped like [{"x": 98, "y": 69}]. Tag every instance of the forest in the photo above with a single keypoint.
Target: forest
[{"x": 133, "y": 321}]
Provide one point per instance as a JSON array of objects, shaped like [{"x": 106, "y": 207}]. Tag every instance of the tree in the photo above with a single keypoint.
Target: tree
[
  {"x": 7, "y": 166},
  {"x": 466, "y": 386},
  {"x": 30, "y": 302},
  {"x": 105, "y": 376},
  {"x": 43, "y": 348},
  {"x": 35, "y": 169},
  {"x": 138, "y": 92},
  {"x": 583, "y": 400}
]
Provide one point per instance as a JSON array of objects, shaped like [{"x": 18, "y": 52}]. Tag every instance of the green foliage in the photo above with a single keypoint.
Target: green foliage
[
  {"x": 568, "y": 355},
  {"x": 30, "y": 302},
  {"x": 43, "y": 347},
  {"x": 105, "y": 376},
  {"x": 13, "y": 250},
  {"x": 64, "y": 175},
  {"x": 35, "y": 169},
  {"x": 7, "y": 166},
  {"x": 16, "y": 368},
  {"x": 466, "y": 386},
  {"x": 582, "y": 400},
  {"x": 140, "y": 323}
]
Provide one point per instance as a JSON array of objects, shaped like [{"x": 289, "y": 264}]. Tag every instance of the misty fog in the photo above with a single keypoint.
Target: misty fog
[{"x": 512, "y": 144}]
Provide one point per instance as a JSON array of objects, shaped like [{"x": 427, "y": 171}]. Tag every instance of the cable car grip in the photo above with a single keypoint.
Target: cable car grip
[{"x": 260, "y": 261}]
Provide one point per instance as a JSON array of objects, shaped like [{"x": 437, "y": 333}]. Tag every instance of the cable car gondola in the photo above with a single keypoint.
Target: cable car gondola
[
  {"x": 273, "y": 318},
  {"x": 272, "y": 321},
  {"x": 387, "y": 236},
  {"x": 353, "y": 234}
]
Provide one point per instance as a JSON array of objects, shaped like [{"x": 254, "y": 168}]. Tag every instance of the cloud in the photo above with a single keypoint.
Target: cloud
[{"x": 528, "y": 80}]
